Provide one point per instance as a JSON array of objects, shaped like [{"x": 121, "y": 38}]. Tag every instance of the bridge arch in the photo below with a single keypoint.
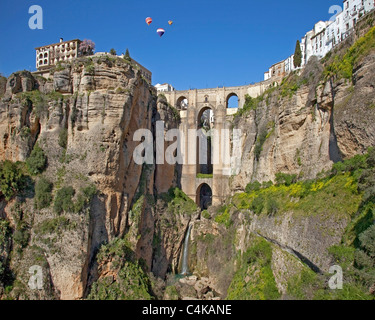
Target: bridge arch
[
  {"x": 232, "y": 100},
  {"x": 205, "y": 122},
  {"x": 204, "y": 196},
  {"x": 182, "y": 103}
]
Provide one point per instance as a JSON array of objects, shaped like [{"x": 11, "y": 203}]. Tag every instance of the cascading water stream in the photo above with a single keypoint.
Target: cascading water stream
[{"x": 185, "y": 256}]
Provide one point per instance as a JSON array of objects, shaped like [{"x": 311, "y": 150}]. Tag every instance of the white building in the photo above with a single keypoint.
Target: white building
[
  {"x": 165, "y": 87},
  {"x": 50, "y": 55}
]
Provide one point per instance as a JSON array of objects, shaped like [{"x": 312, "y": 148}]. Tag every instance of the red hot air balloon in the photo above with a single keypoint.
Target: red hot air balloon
[
  {"x": 160, "y": 32},
  {"x": 148, "y": 20}
]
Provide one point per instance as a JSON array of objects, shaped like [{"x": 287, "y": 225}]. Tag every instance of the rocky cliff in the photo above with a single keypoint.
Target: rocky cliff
[{"x": 74, "y": 202}]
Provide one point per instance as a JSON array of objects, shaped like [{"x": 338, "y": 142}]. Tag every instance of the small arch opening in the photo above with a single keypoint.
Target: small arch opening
[
  {"x": 182, "y": 103},
  {"x": 204, "y": 196},
  {"x": 232, "y": 101}
]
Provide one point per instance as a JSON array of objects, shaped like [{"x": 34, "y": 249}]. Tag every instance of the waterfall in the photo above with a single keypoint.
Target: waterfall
[{"x": 185, "y": 257}]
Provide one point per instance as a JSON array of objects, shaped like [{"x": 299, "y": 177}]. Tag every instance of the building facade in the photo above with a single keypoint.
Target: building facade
[
  {"x": 51, "y": 55},
  {"x": 165, "y": 87},
  {"x": 327, "y": 34}
]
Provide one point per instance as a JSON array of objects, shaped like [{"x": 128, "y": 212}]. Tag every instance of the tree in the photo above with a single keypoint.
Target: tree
[
  {"x": 87, "y": 47},
  {"x": 43, "y": 193},
  {"x": 63, "y": 200},
  {"x": 127, "y": 55},
  {"x": 113, "y": 52},
  {"x": 297, "y": 55},
  {"x": 12, "y": 179},
  {"x": 37, "y": 161}
]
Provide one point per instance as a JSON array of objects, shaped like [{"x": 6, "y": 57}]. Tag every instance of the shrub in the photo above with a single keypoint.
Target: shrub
[
  {"x": 21, "y": 237},
  {"x": 12, "y": 179},
  {"x": 84, "y": 198},
  {"x": 259, "y": 144},
  {"x": 284, "y": 178},
  {"x": 206, "y": 215},
  {"x": 113, "y": 52},
  {"x": 131, "y": 282},
  {"x": 224, "y": 217},
  {"x": 63, "y": 200},
  {"x": 53, "y": 226},
  {"x": 257, "y": 204},
  {"x": 43, "y": 195},
  {"x": 272, "y": 206},
  {"x": 267, "y": 184},
  {"x": 37, "y": 160},
  {"x": 253, "y": 186},
  {"x": 63, "y": 138}
]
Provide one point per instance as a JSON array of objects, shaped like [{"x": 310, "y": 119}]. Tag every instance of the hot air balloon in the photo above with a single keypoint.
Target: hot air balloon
[
  {"x": 160, "y": 32},
  {"x": 170, "y": 22},
  {"x": 148, "y": 20}
]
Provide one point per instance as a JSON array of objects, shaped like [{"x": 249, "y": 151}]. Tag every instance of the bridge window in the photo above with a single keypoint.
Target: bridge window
[
  {"x": 232, "y": 101},
  {"x": 182, "y": 103},
  {"x": 204, "y": 196},
  {"x": 204, "y": 159}
]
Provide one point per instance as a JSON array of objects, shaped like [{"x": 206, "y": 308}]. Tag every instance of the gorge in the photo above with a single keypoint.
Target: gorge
[{"x": 100, "y": 226}]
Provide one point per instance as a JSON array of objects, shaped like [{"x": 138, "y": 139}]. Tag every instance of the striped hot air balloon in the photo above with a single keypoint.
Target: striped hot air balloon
[
  {"x": 160, "y": 32},
  {"x": 148, "y": 20}
]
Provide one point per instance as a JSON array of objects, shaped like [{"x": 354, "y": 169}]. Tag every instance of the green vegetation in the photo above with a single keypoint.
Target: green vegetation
[
  {"x": 224, "y": 217},
  {"x": 43, "y": 193},
  {"x": 39, "y": 101},
  {"x": 349, "y": 189},
  {"x": 286, "y": 179},
  {"x": 89, "y": 66},
  {"x": 37, "y": 161},
  {"x": 127, "y": 56},
  {"x": 63, "y": 138},
  {"x": 309, "y": 197},
  {"x": 290, "y": 85},
  {"x": 113, "y": 52},
  {"x": 175, "y": 113},
  {"x": 205, "y": 176},
  {"x": 250, "y": 104},
  {"x": 254, "y": 280},
  {"x": 63, "y": 200},
  {"x": 54, "y": 226},
  {"x": 178, "y": 202},
  {"x": 12, "y": 178},
  {"x": 131, "y": 282},
  {"x": 253, "y": 186},
  {"x": 342, "y": 66},
  {"x": 5, "y": 235},
  {"x": 297, "y": 55},
  {"x": 206, "y": 214},
  {"x": 84, "y": 197},
  {"x": 261, "y": 139}
]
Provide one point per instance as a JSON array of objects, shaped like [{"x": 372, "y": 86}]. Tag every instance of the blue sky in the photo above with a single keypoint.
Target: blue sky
[{"x": 211, "y": 43}]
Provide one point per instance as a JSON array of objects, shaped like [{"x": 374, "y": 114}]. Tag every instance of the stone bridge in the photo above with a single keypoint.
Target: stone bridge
[{"x": 192, "y": 104}]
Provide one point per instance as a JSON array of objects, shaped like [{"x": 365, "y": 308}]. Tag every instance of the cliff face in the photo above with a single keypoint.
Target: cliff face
[
  {"x": 308, "y": 129},
  {"x": 87, "y": 136}
]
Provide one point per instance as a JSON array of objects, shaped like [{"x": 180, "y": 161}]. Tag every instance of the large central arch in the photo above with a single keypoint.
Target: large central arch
[{"x": 204, "y": 125}]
